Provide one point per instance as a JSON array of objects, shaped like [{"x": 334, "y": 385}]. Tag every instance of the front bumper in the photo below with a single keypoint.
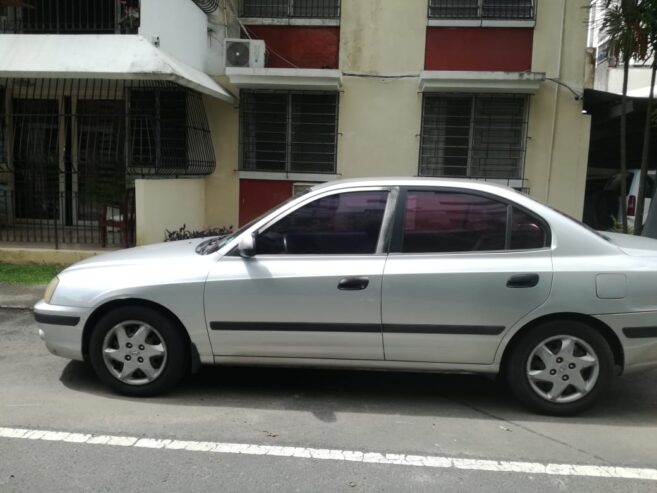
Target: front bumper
[{"x": 61, "y": 327}]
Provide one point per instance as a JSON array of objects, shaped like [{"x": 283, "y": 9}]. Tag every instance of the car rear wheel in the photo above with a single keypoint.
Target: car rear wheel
[
  {"x": 560, "y": 368},
  {"x": 138, "y": 351}
]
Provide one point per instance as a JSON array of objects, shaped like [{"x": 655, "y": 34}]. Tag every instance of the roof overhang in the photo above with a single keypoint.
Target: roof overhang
[
  {"x": 285, "y": 78},
  {"x": 98, "y": 56},
  {"x": 502, "y": 82}
]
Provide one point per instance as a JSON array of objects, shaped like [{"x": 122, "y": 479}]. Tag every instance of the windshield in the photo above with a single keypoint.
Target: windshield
[{"x": 213, "y": 244}]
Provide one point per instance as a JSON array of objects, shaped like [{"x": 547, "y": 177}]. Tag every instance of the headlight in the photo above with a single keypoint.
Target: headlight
[{"x": 50, "y": 290}]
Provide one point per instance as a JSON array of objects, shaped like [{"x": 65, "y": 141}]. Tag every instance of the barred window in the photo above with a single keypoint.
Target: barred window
[
  {"x": 481, "y": 9},
  {"x": 158, "y": 128},
  {"x": 70, "y": 16},
  {"x": 288, "y": 131},
  {"x": 314, "y": 9},
  {"x": 476, "y": 136}
]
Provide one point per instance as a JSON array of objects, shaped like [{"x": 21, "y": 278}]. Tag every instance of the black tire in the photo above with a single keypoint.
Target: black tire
[
  {"x": 516, "y": 367},
  {"x": 173, "y": 368}
]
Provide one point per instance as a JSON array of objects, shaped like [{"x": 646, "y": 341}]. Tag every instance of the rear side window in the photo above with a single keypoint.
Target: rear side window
[
  {"x": 527, "y": 232},
  {"x": 441, "y": 222},
  {"x": 344, "y": 223}
]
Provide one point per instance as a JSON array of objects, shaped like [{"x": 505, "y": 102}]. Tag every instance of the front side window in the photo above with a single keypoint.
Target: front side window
[
  {"x": 340, "y": 224},
  {"x": 443, "y": 221},
  {"x": 288, "y": 131},
  {"x": 474, "y": 136},
  {"x": 481, "y": 9},
  {"x": 314, "y": 9}
]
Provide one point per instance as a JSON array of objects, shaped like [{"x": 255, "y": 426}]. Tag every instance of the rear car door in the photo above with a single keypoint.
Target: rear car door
[
  {"x": 313, "y": 289},
  {"x": 463, "y": 268}
]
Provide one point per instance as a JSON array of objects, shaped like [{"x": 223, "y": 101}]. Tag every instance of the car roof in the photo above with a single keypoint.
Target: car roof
[{"x": 410, "y": 181}]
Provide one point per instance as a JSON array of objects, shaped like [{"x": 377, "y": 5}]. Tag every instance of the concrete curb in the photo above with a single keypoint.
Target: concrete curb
[
  {"x": 20, "y": 296},
  {"x": 16, "y": 307}
]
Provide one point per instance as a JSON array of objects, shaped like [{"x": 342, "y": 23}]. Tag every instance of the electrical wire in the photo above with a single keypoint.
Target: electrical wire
[{"x": 578, "y": 95}]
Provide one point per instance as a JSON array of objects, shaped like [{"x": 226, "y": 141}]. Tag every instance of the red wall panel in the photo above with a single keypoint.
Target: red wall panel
[
  {"x": 305, "y": 47},
  {"x": 258, "y": 196},
  {"x": 476, "y": 48}
]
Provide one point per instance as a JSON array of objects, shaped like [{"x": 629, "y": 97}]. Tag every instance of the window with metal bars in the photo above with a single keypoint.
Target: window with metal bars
[
  {"x": 475, "y": 136},
  {"x": 158, "y": 128},
  {"x": 70, "y": 16},
  {"x": 288, "y": 131},
  {"x": 482, "y": 9},
  {"x": 308, "y": 9}
]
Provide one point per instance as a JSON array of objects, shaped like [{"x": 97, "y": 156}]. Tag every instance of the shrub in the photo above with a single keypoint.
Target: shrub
[{"x": 186, "y": 234}]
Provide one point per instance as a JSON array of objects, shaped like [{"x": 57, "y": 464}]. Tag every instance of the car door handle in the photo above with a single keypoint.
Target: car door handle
[
  {"x": 522, "y": 281},
  {"x": 353, "y": 283}
]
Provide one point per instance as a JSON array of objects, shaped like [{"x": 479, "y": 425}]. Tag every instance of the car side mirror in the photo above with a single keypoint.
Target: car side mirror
[{"x": 246, "y": 246}]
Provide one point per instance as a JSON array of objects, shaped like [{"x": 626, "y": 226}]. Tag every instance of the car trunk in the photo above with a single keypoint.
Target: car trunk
[{"x": 636, "y": 246}]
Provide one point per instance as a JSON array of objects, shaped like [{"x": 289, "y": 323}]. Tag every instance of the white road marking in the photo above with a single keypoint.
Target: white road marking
[{"x": 591, "y": 471}]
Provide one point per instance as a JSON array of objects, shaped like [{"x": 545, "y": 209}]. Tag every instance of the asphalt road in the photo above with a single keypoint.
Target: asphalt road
[{"x": 447, "y": 416}]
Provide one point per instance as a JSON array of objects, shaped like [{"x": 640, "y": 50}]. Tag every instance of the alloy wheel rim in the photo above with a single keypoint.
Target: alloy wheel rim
[
  {"x": 563, "y": 369},
  {"x": 134, "y": 352}
]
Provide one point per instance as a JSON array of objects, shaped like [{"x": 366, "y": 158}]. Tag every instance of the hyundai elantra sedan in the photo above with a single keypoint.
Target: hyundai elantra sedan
[{"x": 382, "y": 274}]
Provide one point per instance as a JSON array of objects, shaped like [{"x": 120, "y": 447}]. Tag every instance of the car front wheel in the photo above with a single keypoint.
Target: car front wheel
[
  {"x": 138, "y": 351},
  {"x": 560, "y": 368}
]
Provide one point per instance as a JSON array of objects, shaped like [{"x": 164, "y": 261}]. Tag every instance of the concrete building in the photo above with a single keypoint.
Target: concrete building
[{"x": 485, "y": 89}]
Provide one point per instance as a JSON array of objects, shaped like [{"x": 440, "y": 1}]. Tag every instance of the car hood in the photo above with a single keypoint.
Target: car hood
[
  {"x": 156, "y": 253},
  {"x": 636, "y": 246}
]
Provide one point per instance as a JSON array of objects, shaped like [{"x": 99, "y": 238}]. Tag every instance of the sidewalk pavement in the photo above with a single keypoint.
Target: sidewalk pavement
[{"x": 20, "y": 296}]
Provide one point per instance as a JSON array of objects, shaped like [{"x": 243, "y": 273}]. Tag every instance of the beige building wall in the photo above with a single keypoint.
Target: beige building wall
[
  {"x": 557, "y": 148},
  {"x": 222, "y": 187},
  {"x": 379, "y": 127},
  {"x": 379, "y": 117},
  {"x": 383, "y": 36},
  {"x": 168, "y": 204},
  {"x": 380, "y": 112}
]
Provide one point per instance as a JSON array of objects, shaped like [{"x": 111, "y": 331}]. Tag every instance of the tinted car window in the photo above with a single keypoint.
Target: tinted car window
[
  {"x": 345, "y": 223},
  {"x": 527, "y": 232},
  {"x": 453, "y": 222}
]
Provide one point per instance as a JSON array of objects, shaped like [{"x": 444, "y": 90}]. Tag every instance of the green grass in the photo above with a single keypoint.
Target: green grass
[{"x": 28, "y": 273}]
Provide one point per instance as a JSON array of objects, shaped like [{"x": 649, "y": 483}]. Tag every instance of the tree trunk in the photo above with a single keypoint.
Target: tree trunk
[
  {"x": 647, "y": 131},
  {"x": 623, "y": 145}
]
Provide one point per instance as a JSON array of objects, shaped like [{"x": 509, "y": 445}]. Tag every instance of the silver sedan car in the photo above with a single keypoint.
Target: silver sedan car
[{"x": 387, "y": 274}]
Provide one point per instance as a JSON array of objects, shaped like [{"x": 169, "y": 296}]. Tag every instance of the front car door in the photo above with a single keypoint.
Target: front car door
[
  {"x": 463, "y": 267},
  {"x": 313, "y": 289}
]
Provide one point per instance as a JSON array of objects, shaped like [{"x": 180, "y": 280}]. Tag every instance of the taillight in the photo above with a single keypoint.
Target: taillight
[{"x": 631, "y": 205}]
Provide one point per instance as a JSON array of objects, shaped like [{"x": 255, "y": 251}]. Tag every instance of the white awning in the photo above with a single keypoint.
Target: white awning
[
  {"x": 98, "y": 56},
  {"x": 456, "y": 81}
]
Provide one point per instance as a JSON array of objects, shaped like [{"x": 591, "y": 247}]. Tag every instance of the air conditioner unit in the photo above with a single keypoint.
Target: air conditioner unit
[
  {"x": 244, "y": 53},
  {"x": 299, "y": 189}
]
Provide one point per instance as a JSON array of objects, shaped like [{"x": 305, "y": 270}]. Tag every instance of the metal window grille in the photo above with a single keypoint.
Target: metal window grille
[
  {"x": 72, "y": 149},
  {"x": 481, "y": 9},
  {"x": 288, "y": 131},
  {"x": 476, "y": 136},
  {"x": 70, "y": 17},
  {"x": 313, "y": 9}
]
